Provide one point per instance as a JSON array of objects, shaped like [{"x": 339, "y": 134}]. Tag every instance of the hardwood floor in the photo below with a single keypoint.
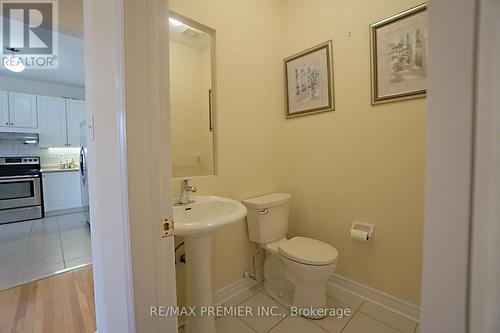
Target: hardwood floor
[{"x": 62, "y": 303}]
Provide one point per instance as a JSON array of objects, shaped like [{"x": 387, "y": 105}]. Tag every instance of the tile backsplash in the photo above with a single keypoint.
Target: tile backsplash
[{"x": 48, "y": 156}]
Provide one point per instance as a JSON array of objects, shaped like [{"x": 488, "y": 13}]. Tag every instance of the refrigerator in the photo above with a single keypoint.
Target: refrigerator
[{"x": 84, "y": 184}]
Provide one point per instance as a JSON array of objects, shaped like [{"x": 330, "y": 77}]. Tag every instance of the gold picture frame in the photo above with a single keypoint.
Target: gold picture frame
[
  {"x": 398, "y": 56},
  {"x": 309, "y": 81}
]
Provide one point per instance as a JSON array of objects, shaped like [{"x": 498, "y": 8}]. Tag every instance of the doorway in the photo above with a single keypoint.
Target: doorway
[{"x": 45, "y": 226}]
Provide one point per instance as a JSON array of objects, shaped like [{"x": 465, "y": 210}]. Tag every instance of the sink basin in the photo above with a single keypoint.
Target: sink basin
[
  {"x": 196, "y": 222},
  {"x": 206, "y": 213}
]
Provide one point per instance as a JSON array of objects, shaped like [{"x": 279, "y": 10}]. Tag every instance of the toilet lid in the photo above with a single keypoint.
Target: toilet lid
[{"x": 308, "y": 251}]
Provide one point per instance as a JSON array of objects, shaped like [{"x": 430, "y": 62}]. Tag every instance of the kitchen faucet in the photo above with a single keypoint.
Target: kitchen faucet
[{"x": 186, "y": 189}]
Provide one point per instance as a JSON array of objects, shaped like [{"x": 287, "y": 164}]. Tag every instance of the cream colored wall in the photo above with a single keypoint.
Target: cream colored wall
[
  {"x": 249, "y": 117},
  {"x": 360, "y": 162},
  {"x": 189, "y": 84}
]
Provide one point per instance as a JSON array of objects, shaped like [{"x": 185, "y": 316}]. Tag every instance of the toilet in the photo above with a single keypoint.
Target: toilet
[{"x": 296, "y": 270}]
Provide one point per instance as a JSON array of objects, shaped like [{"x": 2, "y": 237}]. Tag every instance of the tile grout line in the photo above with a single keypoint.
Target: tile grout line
[
  {"x": 383, "y": 322},
  {"x": 283, "y": 318},
  {"x": 355, "y": 312},
  {"x": 263, "y": 291},
  {"x": 379, "y": 320},
  {"x": 313, "y": 322},
  {"x": 255, "y": 293},
  {"x": 346, "y": 324},
  {"x": 25, "y": 252},
  {"x": 246, "y": 324},
  {"x": 60, "y": 241}
]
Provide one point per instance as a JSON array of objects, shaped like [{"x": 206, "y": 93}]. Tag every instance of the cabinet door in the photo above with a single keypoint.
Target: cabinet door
[
  {"x": 52, "y": 121},
  {"x": 61, "y": 190},
  {"x": 4, "y": 109},
  {"x": 22, "y": 110},
  {"x": 75, "y": 114}
]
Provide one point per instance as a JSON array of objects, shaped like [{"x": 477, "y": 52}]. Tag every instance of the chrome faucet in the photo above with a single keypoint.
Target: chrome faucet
[{"x": 186, "y": 189}]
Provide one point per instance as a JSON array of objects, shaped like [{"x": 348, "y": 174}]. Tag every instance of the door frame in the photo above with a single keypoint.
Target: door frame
[
  {"x": 133, "y": 264},
  {"x": 463, "y": 183},
  {"x": 484, "y": 292},
  {"x": 448, "y": 199},
  {"x": 450, "y": 172}
]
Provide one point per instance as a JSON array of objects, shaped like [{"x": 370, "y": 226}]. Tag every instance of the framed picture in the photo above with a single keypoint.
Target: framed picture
[
  {"x": 399, "y": 56},
  {"x": 309, "y": 81}
]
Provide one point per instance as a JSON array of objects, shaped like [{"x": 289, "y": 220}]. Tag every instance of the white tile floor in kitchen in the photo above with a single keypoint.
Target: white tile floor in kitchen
[
  {"x": 365, "y": 317},
  {"x": 35, "y": 249}
]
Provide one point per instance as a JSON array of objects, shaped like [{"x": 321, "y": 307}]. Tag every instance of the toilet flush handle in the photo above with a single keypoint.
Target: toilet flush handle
[{"x": 264, "y": 211}]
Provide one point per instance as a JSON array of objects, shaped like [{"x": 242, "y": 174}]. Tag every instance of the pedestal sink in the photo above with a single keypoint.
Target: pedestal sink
[{"x": 195, "y": 222}]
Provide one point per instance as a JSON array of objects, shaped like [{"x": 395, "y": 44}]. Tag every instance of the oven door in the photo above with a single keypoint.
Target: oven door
[{"x": 20, "y": 191}]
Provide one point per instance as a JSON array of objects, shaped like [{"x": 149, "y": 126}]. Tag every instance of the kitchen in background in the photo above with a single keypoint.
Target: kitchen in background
[{"x": 44, "y": 220}]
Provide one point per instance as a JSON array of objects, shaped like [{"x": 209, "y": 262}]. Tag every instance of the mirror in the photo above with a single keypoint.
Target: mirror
[{"x": 192, "y": 97}]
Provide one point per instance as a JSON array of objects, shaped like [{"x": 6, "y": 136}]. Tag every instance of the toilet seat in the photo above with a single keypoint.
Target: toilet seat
[
  {"x": 308, "y": 251},
  {"x": 274, "y": 247}
]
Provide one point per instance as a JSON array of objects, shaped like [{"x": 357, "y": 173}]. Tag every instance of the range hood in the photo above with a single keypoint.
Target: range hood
[{"x": 19, "y": 137}]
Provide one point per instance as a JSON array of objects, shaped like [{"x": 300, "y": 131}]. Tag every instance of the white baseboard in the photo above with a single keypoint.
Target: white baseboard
[
  {"x": 339, "y": 285},
  {"x": 226, "y": 293}
]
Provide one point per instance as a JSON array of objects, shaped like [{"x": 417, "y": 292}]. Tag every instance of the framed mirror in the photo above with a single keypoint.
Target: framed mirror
[{"x": 192, "y": 97}]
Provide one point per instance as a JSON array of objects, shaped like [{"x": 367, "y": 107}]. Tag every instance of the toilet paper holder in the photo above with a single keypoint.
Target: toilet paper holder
[{"x": 362, "y": 231}]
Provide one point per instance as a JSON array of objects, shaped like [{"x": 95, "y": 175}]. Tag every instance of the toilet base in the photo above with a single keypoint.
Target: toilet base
[
  {"x": 282, "y": 288},
  {"x": 275, "y": 282},
  {"x": 310, "y": 297}
]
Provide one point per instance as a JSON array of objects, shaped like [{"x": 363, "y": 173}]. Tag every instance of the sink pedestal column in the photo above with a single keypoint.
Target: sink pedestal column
[{"x": 199, "y": 282}]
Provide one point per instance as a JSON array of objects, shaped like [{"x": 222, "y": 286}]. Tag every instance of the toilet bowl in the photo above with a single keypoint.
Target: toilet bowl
[
  {"x": 308, "y": 264},
  {"x": 296, "y": 270}
]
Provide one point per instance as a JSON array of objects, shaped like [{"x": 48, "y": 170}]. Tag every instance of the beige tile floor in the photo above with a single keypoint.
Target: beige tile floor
[
  {"x": 365, "y": 317},
  {"x": 36, "y": 249}
]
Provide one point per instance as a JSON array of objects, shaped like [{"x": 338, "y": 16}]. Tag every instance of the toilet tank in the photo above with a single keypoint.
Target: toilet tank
[{"x": 267, "y": 217}]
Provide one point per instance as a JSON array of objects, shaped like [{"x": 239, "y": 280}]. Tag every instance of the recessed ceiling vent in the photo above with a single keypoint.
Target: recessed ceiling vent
[{"x": 191, "y": 33}]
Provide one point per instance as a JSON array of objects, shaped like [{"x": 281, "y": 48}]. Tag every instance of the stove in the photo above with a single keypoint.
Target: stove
[{"x": 20, "y": 189}]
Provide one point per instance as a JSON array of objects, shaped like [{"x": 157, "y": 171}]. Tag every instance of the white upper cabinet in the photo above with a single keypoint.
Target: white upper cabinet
[
  {"x": 75, "y": 114},
  {"x": 52, "y": 115},
  {"x": 4, "y": 109},
  {"x": 56, "y": 119},
  {"x": 60, "y": 120},
  {"x": 22, "y": 110}
]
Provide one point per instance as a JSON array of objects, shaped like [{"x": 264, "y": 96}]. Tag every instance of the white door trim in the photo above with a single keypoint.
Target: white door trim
[
  {"x": 107, "y": 163},
  {"x": 451, "y": 62},
  {"x": 127, "y": 108},
  {"x": 147, "y": 113},
  {"x": 484, "y": 297},
  {"x": 122, "y": 132}
]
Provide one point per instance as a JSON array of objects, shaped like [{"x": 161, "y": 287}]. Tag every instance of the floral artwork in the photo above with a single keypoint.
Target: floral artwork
[
  {"x": 309, "y": 81},
  {"x": 399, "y": 56}
]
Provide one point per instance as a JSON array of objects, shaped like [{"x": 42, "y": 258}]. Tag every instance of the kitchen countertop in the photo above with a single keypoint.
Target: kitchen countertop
[{"x": 57, "y": 169}]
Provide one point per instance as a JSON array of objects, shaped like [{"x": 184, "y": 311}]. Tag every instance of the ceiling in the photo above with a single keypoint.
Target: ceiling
[
  {"x": 71, "y": 71},
  {"x": 71, "y": 57},
  {"x": 189, "y": 36}
]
